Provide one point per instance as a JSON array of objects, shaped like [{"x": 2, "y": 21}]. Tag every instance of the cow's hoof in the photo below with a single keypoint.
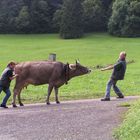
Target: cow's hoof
[
  {"x": 21, "y": 104},
  {"x": 48, "y": 103},
  {"x": 57, "y": 102}
]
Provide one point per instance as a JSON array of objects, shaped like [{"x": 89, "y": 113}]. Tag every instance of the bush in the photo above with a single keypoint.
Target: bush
[
  {"x": 125, "y": 19},
  {"x": 71, "y": 25}
]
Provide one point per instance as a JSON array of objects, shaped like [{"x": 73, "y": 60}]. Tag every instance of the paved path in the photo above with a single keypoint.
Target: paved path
[{"x": 73, "y": 120}]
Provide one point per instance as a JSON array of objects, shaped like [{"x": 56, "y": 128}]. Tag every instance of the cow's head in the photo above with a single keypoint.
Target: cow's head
[{"x": 78, "y": 69}]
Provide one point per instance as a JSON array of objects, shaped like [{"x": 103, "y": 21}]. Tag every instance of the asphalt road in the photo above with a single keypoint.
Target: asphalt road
[{"x": 74, "y": 120}]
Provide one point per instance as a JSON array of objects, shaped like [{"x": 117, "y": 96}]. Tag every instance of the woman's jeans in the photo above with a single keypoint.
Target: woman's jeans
[
  {"x": 112, "y": 83},
  {"x": 8, "y": 94}
]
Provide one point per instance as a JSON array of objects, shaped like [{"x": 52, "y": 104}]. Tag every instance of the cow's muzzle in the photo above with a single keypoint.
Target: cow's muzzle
[{"x": 89, "y": 70}]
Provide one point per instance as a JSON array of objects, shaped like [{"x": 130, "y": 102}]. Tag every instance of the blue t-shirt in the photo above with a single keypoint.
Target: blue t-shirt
[{"x": 5, "y": 77}]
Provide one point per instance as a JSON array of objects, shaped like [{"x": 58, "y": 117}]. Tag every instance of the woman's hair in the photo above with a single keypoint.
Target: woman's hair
[{"x": 11, "y": 63}]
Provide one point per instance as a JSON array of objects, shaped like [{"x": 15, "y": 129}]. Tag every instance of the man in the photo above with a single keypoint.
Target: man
[
  {"x": 118, "y": 74},
  {"x": 5, "y": 81}
]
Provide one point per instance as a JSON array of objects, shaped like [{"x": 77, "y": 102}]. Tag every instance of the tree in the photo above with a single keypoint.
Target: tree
[
  {"x": 23, "y": 20},
  {"x": 94, "y": 15},
  {"x": 71, "y": 25},
  {"x": 125, "y": 19},
  {"x": 57, "y": 19},
  {"x": 27, "y": 16},
  {"x": 107, "y": 3},
  {"x": 40, "y": 20},
  {"x": 8, "y": 12},
  {"x": 132, "y": 21}
]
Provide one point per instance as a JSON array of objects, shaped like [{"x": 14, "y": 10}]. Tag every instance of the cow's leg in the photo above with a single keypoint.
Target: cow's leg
[
  {"x": 19, "y": 99},
  {"x": 56, "y": 95},
  {"x": 14, "y": 97},
  {"x": 49, "y": 93},
  {"x": 17, "y": 90}
]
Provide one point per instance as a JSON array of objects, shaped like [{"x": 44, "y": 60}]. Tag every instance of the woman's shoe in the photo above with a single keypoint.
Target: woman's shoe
[
  {"x": 4, "y": 106},
  {"x": 105, "y": 99}
]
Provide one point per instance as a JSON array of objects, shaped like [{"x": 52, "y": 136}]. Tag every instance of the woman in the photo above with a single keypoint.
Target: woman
[{"x": 5, "y": 80}]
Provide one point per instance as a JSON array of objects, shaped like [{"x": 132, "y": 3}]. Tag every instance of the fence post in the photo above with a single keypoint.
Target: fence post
[{"x": 52, "y": 57}]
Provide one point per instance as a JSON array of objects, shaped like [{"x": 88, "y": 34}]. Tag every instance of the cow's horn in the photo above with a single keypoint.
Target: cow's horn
[
  {"x": 72, "y": 66},
  {"x": 77, "y": 61}
]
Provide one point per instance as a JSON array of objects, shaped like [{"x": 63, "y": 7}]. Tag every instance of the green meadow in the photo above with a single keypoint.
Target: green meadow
[
  {"x": 93, "y": 50},
  {"x": 130, "y": 128}
]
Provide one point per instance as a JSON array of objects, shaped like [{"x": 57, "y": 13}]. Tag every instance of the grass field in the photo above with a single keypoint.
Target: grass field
[
  {"x": 130, "y": 128},
  {"x": 92, "y": 50}
]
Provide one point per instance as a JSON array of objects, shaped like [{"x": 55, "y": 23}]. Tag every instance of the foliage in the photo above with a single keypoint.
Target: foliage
[
  {"x": 125, "y": 19},
  {"x": 94, "y": 15},
  {"x": 27, "y": 16},
  {"x": 57, "y": 18},
  {"x": 22, "y": 21},
  {"x": 129, "y": 130},
  {"x": 8, "y": 12},
  {"x": 40, "y": 20},
  {"x": 45, "y": 16},
  {"x": 71, "y": 18},
  {"x": 71, "y": 25}
]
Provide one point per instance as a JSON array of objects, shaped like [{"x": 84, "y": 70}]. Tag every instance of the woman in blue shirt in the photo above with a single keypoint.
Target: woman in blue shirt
[{"x": 5, "y": 80}]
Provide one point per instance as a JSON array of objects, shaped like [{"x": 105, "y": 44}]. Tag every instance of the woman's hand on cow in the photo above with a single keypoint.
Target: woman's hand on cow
[
  {"x": 13, "y": 77},
  {"x": 16, "y": 75}
]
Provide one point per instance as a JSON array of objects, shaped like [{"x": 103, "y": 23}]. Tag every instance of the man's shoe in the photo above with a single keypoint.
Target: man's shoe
[
  {"x": 120, "y": 96},
  {"x": 105, "y": 99},
  {"x": 4, "y": 106}
]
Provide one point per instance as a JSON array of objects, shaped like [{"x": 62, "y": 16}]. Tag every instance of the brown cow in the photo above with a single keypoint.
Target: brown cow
[{"x": 45, "y": 72}]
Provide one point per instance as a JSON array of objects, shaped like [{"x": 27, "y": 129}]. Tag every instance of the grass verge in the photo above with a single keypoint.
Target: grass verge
[{"x": 130, "y": 128}]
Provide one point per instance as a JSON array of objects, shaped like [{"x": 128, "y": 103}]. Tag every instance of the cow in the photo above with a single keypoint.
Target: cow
[{"x": 53, "y": 73}]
